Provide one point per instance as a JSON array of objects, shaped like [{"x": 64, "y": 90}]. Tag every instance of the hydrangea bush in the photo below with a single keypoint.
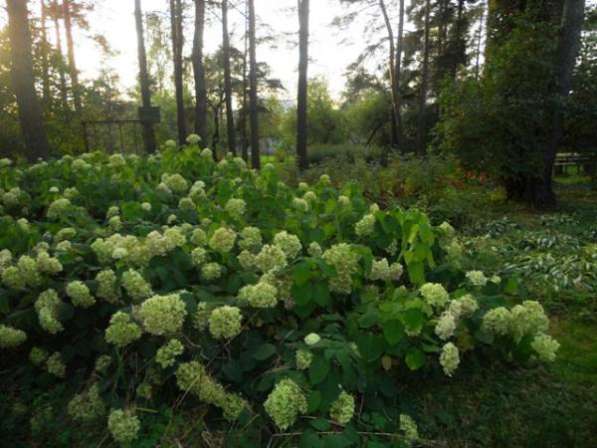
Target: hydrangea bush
[{"x": 174, "y": 276}]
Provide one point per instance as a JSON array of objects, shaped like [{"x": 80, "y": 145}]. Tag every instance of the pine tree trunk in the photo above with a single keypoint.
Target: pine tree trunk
[
  {"x": 459, "y": 39},
  {"x": 421, "y": 126},
  {"x": 177, "y": 44},
  {"x": 302, "y": 130},
  {"x": 70, "y": 47},
  {"x": 199, "y": 73},
  {"x": 243, "y": 115},
  {"x": 227, "y": 80},
  {"x": 479, "y": 38},
  {"x": 392, "y": 68},
  {"x": 45, "y": 66},
  {"x": 147, "y": 127},
  {"x": 397, "y": 74},
  {"x": 61, "y": 71},
  {"x": 254, "y": 116},
  {"x": 29, "y": 108}
]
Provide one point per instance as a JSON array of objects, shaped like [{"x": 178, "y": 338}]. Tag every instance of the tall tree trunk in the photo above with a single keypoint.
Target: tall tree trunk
[
  {"x": 243, "y": 115},
  {"x": 254, "y": 112},
  {"x": 479, "y": 39},
  {"x": 177, "y": 45},
  {"x": 301, "y": 128},
  {"x": 148, "y": 134},
  {"x": 215, "y": 140},
  {"x": 199, "y": 72},
  {"x": 45, "y": 66},
  {"x": 29, "y": 108},
  {"x": 567, "y": 52},
  {"x": 459, "y": 41},
  {"x": 397, "y": 75},
  {"x": 61, "y": 71},
  {"x": 392, "y": 68},
  {"x": 70, "y": 47},
  {"x": 421, "y": 126},
  {"x": 228, "y": 80}
]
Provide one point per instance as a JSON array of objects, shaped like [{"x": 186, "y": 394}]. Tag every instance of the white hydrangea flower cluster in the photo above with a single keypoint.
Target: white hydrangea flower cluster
[
  {"x": 314, "y": 249},
  {"x": 271, "y": 258},
  {"x": 285, "y": 403},
  {"x": 545, "y": 346},
  {"x": 435, "y": 294},
  {"x": 117, "y": 247},
  {"x": 193, "y": 377},
  {"x": 223, "y": 240},
  {"x": 346, "y": 263},
  {"x": 446, "y": 326},
  {"x": 113, "y": 211},
  {"x": 116, "y": 161},
  {"x": 167, "y": 354},
  {"x": 28, "y": 271},
  {"x": 193, "y": 139},
  {"x": 260, "y": 295},
  {"x": 47, "y": 306},
  {"x": 79, "y": 294},
  {"x": 312, "y": 339},
  {"x": 449, "y": 358},
  {"x": 528, "y": 318},
  {"x": 464, "y": 306},
  {"x": 212, "y": 271},
  {"x": 476, "y": 278},
  {"x": 163, "y": 314},
  {"x": 102, "y": 363},
  {"x": 290, "y": 244},
  {"x": 225, "y": 322},
  {"x": 11, "y": 337},
  {"x": 236, "y": 207},
  {"x": 47, "y": 264},
  {"x": 186, "y": 203},
  {"x": 199, "y": 256},
  {"x": 366, "y": 226},
  {"x": 458, "y": 308},
  {"x": 107, "y": 287},
  {"x": 175, "y": 182},
  {"x": 247, "y": 260},
  {"x": 58, "y": 208},
  {"x": 382, "y": 270},
  {"x": 342, "y": 410},
  {"x": 198, "y": 237},
  {"x": 310, "y": 197},
  {"x": 498, "y": 321},
  {"x": 5, "y": 259},
  {"x": 87, "y": 406},
  {"x": 250, "y": 239},
  {"x": 409, "y": 427},
  {"x": 122, "y": 330},
  {"x": 303, "y": 359},
  {"x": 135, "y": 285},
  {"x": 300, "y": 204},
  {"x": 55, "y": 365},
  {"x": 124, "y": 426}
]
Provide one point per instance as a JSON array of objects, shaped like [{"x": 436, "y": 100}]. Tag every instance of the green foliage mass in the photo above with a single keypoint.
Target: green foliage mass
[{"x": 382, "y": 293}]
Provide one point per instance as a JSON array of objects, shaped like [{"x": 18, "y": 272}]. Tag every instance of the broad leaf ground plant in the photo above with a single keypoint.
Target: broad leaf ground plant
[{"x": 138, "y": 284}]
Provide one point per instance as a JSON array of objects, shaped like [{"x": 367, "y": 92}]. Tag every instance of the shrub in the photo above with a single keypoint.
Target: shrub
[{"x": 320, "y": 304}]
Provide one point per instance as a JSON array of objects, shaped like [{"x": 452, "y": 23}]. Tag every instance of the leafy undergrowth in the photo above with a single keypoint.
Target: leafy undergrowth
[{"x": 554, "y": 254}]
